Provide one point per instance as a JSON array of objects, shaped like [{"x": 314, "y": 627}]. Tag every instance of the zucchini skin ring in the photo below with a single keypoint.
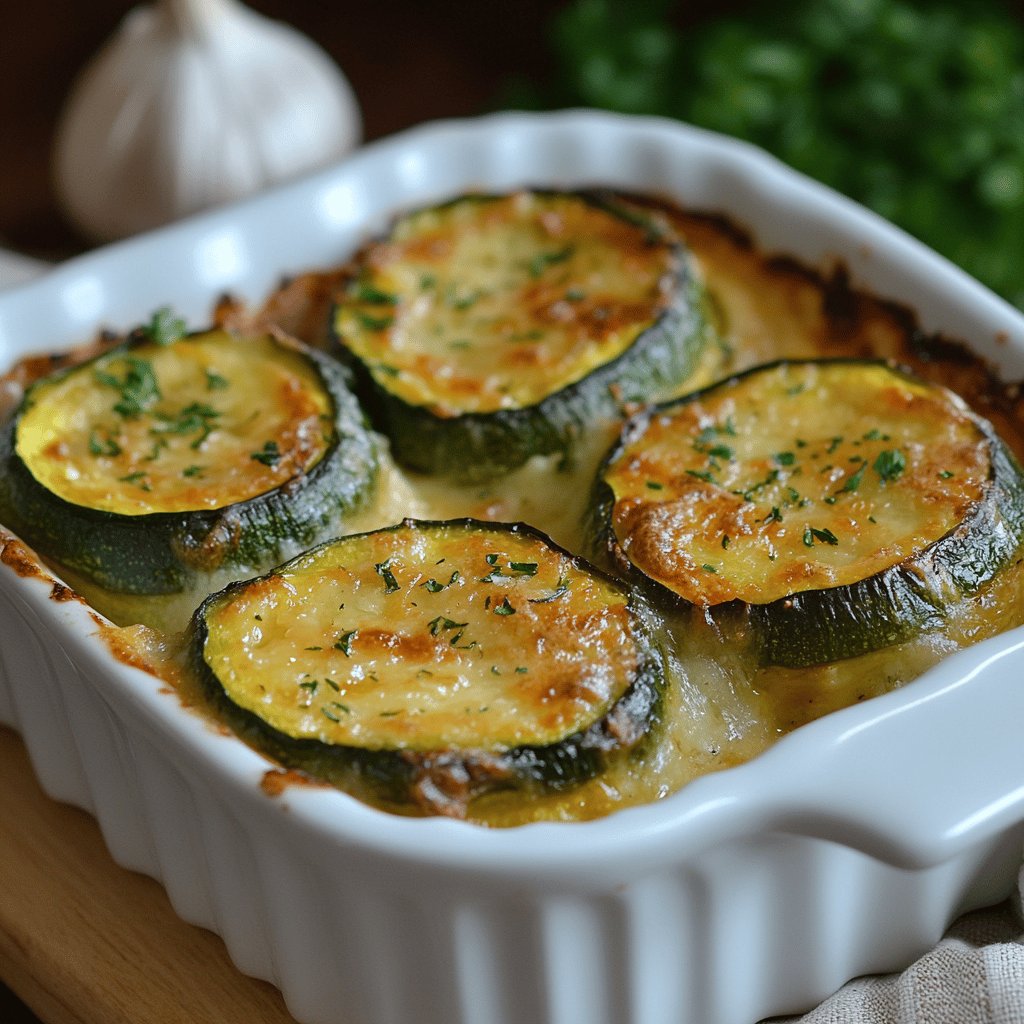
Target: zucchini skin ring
[
  {"x": 162, "y": 553},
  {"x": 436, "y": 779},
  {"x": 475, "y": 446},
  {"x": 807, "y": 627}
]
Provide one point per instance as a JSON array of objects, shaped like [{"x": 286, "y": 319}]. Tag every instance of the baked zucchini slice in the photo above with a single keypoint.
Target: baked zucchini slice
[
  {"x": 843, "y": 505},
  {"x": 438, "y": 659},
  {"x": 494, "y": 328},
  {"x": 158, "y": 463}
]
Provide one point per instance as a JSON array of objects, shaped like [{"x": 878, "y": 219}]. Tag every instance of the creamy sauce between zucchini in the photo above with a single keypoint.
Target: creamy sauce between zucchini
[{"x": 720, "y": 708}]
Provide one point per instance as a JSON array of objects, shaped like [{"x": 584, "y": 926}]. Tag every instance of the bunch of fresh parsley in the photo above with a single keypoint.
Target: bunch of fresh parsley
[{"x": 914, "y": 108}]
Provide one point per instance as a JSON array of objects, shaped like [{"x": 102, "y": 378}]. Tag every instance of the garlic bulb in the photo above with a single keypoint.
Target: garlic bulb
[{"x": 191, "y": 104}]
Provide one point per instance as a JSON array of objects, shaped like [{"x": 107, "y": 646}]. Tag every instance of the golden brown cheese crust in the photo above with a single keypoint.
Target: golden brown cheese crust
[
  {"x": 800, "y": 477},
  {"x": 201, "y": 424},
  {"x": 495, "y": 303},
  {"x": 426, "y": 639}
]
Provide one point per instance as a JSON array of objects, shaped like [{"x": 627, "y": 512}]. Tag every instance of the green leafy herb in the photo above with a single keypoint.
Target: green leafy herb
[
  {"x": 269, "y": 454},
  {"x": 344, "y": 642},
  {"x": 191, "y": 471},
  {"x": 196, "y": 417},
  {"x": 524, "y": 568},
  {"x": 107, "y": 446},
  {"x": 373, "y": 323},
  {"x": 655, "y": 486},
  {"x": 505, "y": 608},
  {"x": 138, "y": 389},
  {"x": 853, "y": 480},
  {"x": 784, "y": 458},
  {"x": 383, "y": 570},
  {"x": 214, "y": 381},
  {"x": 138, "y": 478},
  {"x": 434, "y": 587},
  {"x": 366, "y": 292},
  {"x": 709, "y": 568},
  {"x": 164, "y": 328},
  {"x": 543, "y": 260},
  {"x": 890, "y": 464},
  {"x": 811, "y": 534}
]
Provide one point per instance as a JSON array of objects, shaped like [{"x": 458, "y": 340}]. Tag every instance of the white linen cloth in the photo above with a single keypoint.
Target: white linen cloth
[{"x": 975, "y": 975}]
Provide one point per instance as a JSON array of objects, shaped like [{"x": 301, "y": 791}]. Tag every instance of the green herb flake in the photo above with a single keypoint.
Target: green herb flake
[
  {"x": 701, "y": 474},
  {"x": 811, "y": 534},
  {"x": 193, "y": 418},
  {"x": 890, "y": 464},
  {"x": 709, "y": 568},
  {"x": 946, "y": 474},
  {"x": 521, "y": 670},
  {"x": 524, "y": 568},
  {"x": 854, "y": 479},
  {"x": 435, "y": 587},
  {"x": 193, "y": 471},
  {"x": 164, "y": 328},
  {"x": 775, "y": 516},
  {"x": 214, "y": 381},
  {"x": 366, "y": 292},
  {"x": 344, "y": 642},
  {"x": 505, "y": 608},
  {"x": 543, "y": 260},
  {"x": 383, "y": 570},
  {"x": 655, "y": 486},
  {"x": 834, "y": 444},
  {"x": 137, "y": 478},
  {"x": 721, "y": 451},
  {"x": 725, "y": 540},
  {"x": 373, "y": 323},
  {"x": 784, "y": 458},
  {"x": 107, "y": 446},
  {"x": 138, "y": 388},
  {"x": 269, "y": 454}
]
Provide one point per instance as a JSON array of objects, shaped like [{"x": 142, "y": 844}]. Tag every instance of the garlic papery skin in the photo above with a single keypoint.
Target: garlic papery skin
[{"x": 191, "y": 104}]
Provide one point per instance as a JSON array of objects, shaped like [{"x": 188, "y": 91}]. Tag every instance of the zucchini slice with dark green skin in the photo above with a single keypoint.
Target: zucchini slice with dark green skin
[
  {"x": 154, "y": 465},
  {"x": 494, "y": 328},
  {"x": 439, "y": 659},
  {"x": 843, "y": 505}
]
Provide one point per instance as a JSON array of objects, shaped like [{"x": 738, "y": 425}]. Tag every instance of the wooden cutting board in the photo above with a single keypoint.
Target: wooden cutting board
[{"x": 83, "y": 941}]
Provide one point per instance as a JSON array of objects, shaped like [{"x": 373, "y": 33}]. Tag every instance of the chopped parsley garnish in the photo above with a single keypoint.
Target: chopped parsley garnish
[
  {"x": 854, "y": 479},
  {"x": 505, "y": 608},
  {"x": 196, "y": 417},
  {"x": 835, "y": 443},
  {"x": 191, "y": 471},
  {"x": 138, "y": 389},
  {"x": 811, "y": 534},
  {"x": 383, "y": 570},
  {"x": 775, "y": 516},
  {"x": 890, "y": 464},
  {"x": 138, "y": 478},
  {"x": 702, "y": 474},
  {"x": 655, "y": 486},
  {"x": 543, "y": 260},
  {"x": 434, "y": 587},
  {"x": 374, "y": 323},
  {"x": 269, "y": 454},
  {"x": 562, "y": 588},
  {"x": 107, "y": 446},
  {"x": 164, "y": 328},
  {"x": 709, "y": 568},
  {"x": 784, "y": 458},
  {"x": 366, "y": 292},
  {"x": 344, "y": 642},
  {"x": 946, "y": 474},
  {"x": 725, "y": 540},
  {"x": 575, "y": 295},
  {"x": 524, "y": 568},
  {"x": 214, "y": 381}
]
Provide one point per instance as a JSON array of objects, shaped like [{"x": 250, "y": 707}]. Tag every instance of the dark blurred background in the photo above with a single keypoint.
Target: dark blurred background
[{"x": 408, "y": 62}]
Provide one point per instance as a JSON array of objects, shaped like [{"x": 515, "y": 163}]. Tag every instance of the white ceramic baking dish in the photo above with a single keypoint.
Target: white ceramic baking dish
[{"x": 847, "y": 848}]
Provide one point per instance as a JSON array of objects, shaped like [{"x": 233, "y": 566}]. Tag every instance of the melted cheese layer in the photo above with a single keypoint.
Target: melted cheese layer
[
  {"x": 495, "y": 303},
  {"x": 793, "y": 478},
  {"x": 429, "y": 637}
]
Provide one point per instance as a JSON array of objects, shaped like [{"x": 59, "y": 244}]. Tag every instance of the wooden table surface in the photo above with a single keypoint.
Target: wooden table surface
[{"x": 83, "y": 941}]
